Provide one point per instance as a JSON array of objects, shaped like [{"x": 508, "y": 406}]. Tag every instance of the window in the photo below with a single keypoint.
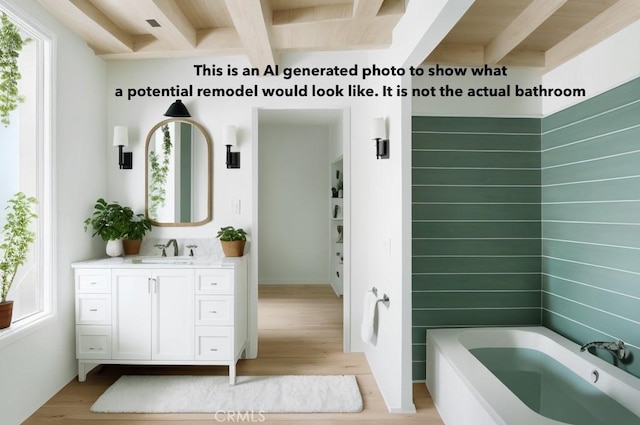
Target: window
[{"x": 26, "y": 166}]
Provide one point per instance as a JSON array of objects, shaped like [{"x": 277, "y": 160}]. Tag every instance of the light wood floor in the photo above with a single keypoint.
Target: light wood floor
[{"x": 300, "y": 332}]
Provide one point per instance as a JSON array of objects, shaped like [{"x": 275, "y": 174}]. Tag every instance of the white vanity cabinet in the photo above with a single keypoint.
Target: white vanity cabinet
[
  {"x": 152, "y": 313},
  {"x": 130, "y": 313}
]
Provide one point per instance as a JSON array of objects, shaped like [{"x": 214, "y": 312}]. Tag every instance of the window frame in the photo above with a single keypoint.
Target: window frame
[{"x": 45, "y": 160}]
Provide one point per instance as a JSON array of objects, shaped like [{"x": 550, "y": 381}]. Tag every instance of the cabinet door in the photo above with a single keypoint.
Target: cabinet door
[
  {"x": 131, "y": 314},
  {"x": 173, "y": 314}
]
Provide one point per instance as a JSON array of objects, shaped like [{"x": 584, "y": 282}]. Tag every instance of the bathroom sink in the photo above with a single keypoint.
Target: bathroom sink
[{"x": 156, "y": 259}]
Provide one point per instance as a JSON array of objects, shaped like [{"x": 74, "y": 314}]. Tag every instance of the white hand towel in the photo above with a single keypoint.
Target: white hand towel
[{"x": 367, "y": 332}]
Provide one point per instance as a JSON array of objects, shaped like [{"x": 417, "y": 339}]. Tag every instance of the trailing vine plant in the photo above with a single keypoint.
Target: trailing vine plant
[
  {"x": 159, "y": 170},
  {"x": 10, "y": 46}
]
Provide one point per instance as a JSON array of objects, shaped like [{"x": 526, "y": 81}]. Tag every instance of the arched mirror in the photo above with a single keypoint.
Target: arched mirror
[{"x": 178, "y": 173}]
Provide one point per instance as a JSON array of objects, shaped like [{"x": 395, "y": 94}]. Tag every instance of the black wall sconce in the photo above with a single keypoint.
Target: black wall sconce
[
  {"x": 379, "y": 133},
  {"x": 230, "y": 137},
  {"x": 177, "y": 109},
  {"x": 121, "y": 139}
]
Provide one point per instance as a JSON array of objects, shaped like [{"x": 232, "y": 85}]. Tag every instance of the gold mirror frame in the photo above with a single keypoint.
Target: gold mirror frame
[{"x": 209, "y": 173}]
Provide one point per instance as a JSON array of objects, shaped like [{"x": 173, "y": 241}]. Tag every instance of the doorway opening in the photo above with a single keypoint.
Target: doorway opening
[{"x": 301, "y": 195}]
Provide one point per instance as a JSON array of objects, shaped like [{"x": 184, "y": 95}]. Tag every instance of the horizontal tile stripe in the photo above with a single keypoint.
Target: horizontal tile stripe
[
  {"x": 476, "y": 124},
  {"x": 476, "y": 212},
  {"x": 617, "y": 97},
  {"x": 478, "y": 230},
  {"x": 477, "y": 159},
  {"x": 474, "y": 141},
  {"x": 475, "y": 194},
  {"x": 618, "y": 141},
  {"x": 617, "y": 119},
  {"x": 615, "y": 190},
  {"x": 619, "y": 235},
  {"x": 477, "y": 317},
  {"x": 475, "y": 176},
  {"x": 476, "y": 246},
  {"x": 474, "y": 282},
  {"x": 476, "y": 264},
  {"x": 620, "y": 281},
  {"x": 610, "y": 212},
  {"x": 478, "y": 299},
  {"x": 601, "y": 255},
  {"x": 616, "y": 304}
]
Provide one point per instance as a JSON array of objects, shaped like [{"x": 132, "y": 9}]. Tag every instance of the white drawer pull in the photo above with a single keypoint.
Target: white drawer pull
[
  {"x": 93, "y": 283},
  {"x": 99, "y": 349},
  {"x": 213, "y": 283},
  {"x": 213, "y": 349},
  {"x": 93, "y": 309},
  {"x": 213, "y": 311}
]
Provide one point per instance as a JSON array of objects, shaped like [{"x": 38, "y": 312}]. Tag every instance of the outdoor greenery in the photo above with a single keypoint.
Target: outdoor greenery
[
  {"x": 17, "y": 239},
  {"x": 159, "y": 171},
  {"x": 230, "y": 234},
  {"x": 11, "y": 43}
]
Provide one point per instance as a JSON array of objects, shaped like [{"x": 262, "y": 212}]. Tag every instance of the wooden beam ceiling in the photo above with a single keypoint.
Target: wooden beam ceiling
[
  {"x": 252, "y": 19},
  {"x": 528, "y": 33}
]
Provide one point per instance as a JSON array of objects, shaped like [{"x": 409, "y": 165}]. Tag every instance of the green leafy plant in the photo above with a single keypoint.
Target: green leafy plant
[
  {"x": 17, "y": 239},
  {"x": 109, "y": 220},
  {"x": 230, "y": 234},
  {"x": 10, "y": 46},
  {"x": 159, "y": 164},
  {"x": 139, "y": 225}
]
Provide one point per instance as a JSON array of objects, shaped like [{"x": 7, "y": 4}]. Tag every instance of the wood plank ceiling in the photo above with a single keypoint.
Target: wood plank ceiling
[{"x": 528, "y": 33}]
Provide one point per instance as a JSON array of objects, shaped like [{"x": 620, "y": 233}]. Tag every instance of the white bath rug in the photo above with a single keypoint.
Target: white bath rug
[{"x": 210, "y": 394}]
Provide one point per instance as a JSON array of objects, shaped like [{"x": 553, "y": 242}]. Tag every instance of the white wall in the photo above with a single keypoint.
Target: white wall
[
  {"x": 607, "y": 65},
  {"x": 35, "y": 367},
  {"x": 294, "y": 203}
]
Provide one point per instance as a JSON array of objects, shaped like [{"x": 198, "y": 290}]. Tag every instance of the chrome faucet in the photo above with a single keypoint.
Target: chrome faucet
[
  {"x": 175, "y": 247},
  {"x": 616, "y": 347}
]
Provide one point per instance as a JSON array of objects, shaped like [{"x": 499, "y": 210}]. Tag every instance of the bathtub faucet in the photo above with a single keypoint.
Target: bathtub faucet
[{"x": 616, "y": 347}]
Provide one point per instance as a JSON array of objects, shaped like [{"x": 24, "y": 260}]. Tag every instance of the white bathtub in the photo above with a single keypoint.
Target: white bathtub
[{"x": 465, "y": 392}]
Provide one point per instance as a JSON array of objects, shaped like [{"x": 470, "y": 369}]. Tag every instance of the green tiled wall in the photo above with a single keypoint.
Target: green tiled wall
[
  {"x": 476, "y": 225},
  {"x": 591, "y": 220}
]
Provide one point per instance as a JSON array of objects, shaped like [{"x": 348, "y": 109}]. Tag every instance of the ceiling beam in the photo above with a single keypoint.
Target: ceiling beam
[
  {"x": 423, "y": 27},
  {"x": 252, "y": 19},
  {"x": 520, "y": 28},
  {"x": 219, "y": 41},
  {"x": 335, "y": 35},
  {"x": 612, "y": 20},
  {"x": 303, "y": 15},
  {"x": 93, "y": 25},
  {"x": 175, "y": 29},
  {"x": 366, "y": 8}
]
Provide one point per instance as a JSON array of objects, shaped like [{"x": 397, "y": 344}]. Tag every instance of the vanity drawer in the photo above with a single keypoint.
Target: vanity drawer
[
  {"x": 213, "y": 343},
  {"x": 214, "y": 310},
  {"x": 93, "y": 281},
  {"x": 93, "y": 309},
  {"x": 93, "y": 342},
  {"x": 214, "y": 281}
]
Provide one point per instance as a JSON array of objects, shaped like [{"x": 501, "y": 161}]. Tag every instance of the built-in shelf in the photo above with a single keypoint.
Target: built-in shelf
[{"x": 336, "y": 214}]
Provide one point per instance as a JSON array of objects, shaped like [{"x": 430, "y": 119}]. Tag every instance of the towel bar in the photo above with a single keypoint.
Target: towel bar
[{"x": 385, "y": 298}]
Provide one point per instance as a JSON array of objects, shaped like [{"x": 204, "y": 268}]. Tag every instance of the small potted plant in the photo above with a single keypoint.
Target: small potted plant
[
  {"x": 232, "y": 241},
  {"x": 111, "y": 222},
  {"x": 15, "y": 247},
  {"x": 139, "y": 225}
]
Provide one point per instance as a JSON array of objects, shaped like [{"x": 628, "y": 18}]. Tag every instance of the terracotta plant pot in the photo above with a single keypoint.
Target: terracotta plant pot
[
  {"x": 233, "y": 248},
  {"x": 131, "y": 246},
  {"x": 6, "y": 312}
]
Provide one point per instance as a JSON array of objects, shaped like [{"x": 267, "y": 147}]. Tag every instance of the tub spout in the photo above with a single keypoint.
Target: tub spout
[{"x": 616, "y": 347}]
